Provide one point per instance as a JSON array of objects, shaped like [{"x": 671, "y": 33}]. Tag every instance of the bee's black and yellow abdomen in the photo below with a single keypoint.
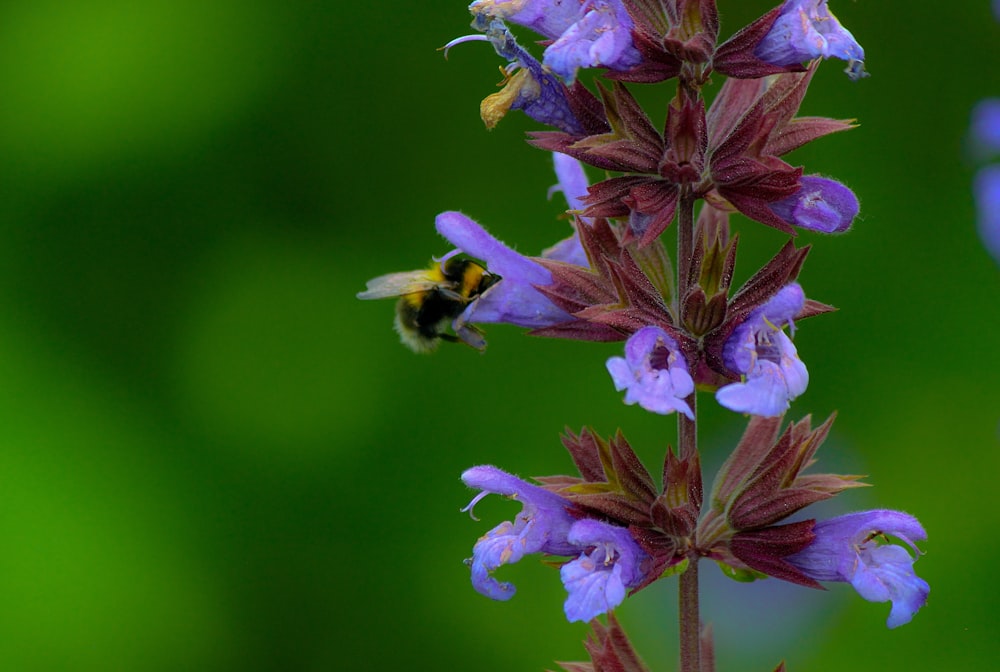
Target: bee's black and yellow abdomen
[{"x": 422, "y": 317}]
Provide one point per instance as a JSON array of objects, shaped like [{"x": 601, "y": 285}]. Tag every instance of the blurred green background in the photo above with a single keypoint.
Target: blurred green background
[{"x": 215, "y": 458}]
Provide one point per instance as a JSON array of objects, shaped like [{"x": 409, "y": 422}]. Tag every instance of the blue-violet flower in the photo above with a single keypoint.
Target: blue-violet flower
[
  {"x": 653, "y": 373},
  {"x": 529, "y": 86},
  {"x": 610, "y": 564},
  {"x": 597, "y": 33},
  {"x": 573, "y": 185},
  {"x": 805, "y": 30},
  {"x": 759, "y": 350},
  {"x": 821, "y": 204},
  {"x": 846, "y": 549},
  {"x": 512, "y": 300},
  {"x": 984, "y": 131},
  {"x": 986, "y": 189},
  {"x": 542, "y": 526}
]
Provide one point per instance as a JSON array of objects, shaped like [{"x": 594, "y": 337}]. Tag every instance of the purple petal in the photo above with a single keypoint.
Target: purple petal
[
  {"x": 846, "y": 549},
  {"x": 542, "y": 526},
  {"x": 760, "y": 351},
  {"x": 550, "y": 18},
  {"x": 984, "y": 130},
  {"x": 986, "y": 189},
  {"x": 653, "y": 373},
  {"x": 806, "y": 30},
  {"x": 533, "y": 89},
  {"x": 601, "y": 38},
  {"x": 598, "y": 579},
  {"x": 573, "y": 185},
  {"x": 572, "y": 180},
  {"x": 512, "y": 300},
  {"x": 821, "y": 204}
]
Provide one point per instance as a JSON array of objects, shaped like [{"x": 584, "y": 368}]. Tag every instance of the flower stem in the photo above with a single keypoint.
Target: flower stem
[
  {"x": 687, "y": 448},
  {"x": 685, "y": 243},
  {"x": 690, "y": 621}
]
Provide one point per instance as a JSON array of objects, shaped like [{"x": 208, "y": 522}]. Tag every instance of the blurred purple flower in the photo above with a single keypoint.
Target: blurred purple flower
[
  {"x": 653, "y": 373},
  {"x": 542, "y": 526},
  {"x": 805, "y": 30},
  {"x": 984, "y": 129},
  {"x": 759, "y": 350},
  {"x": 821, "y": 204},
  {"x": 597, "y": 33},
  {"x": 597, "y": 580},
  {"x": 846, "y": 549},
  {"x": 986, "y": 190}
]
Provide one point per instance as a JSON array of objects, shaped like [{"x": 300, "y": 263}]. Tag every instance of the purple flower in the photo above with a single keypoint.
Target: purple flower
[
  {"x": 986, "y": 189},
  {"x": 759, "y": 350},
  {"x": 653, "y": 373},
  {"x": 529, "y": 86},
  {"x": 573, "y": 185},
  {"x": 572, "y": 180},
  {"x": 984, "y": 131},
  {"x": 513, "y": 299},
  {"x": 805, "y": 30},
  {"x": 820, "y": 204},
  {"x": 586, "y": 34},
  {"x": 846, "y": 549},
  {"x": 610, "y": 564},
  {"x": 542, "y": 526}
]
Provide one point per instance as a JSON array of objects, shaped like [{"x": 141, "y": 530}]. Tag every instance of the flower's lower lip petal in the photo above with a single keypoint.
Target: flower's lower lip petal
[
  {"x": 764, "y": 393},
  {"x": 592, "y": 590},
  {"x": 517, "y": 304}
]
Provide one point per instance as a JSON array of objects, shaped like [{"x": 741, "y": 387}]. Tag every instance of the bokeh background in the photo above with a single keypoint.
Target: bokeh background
[{"x": 215, "y": 458}]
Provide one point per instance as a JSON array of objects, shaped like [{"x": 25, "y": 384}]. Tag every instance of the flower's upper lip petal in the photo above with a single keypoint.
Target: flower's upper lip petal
[
  {"x": 860, "y": 525},
  {"x": 513, "y": 300},
  {"x": 572, "y": 180},
  {"x": 474, "y": 240},
  {"x": 640, "y": 345},
  {"x": 784, "y": 306}
]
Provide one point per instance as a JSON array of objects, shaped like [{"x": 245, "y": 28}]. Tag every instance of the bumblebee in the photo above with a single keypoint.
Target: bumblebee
[{"x": 431, "y": 299}]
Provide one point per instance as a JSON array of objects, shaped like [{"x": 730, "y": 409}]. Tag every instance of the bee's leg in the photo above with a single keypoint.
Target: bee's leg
[
  {"x": 472, "y": 336},
  {"x": 452, "y": 295},
  {"x": 449, "y": 337}
]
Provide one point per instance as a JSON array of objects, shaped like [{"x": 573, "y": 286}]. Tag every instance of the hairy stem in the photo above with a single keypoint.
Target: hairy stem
[
  {"x": 687, "y": 448},
  {"x": 690, "y": 621},
  {"x": 685, "y": 243}
]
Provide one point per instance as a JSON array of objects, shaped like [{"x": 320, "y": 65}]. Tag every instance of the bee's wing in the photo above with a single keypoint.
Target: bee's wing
[{"x": 398, "y": 284}]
